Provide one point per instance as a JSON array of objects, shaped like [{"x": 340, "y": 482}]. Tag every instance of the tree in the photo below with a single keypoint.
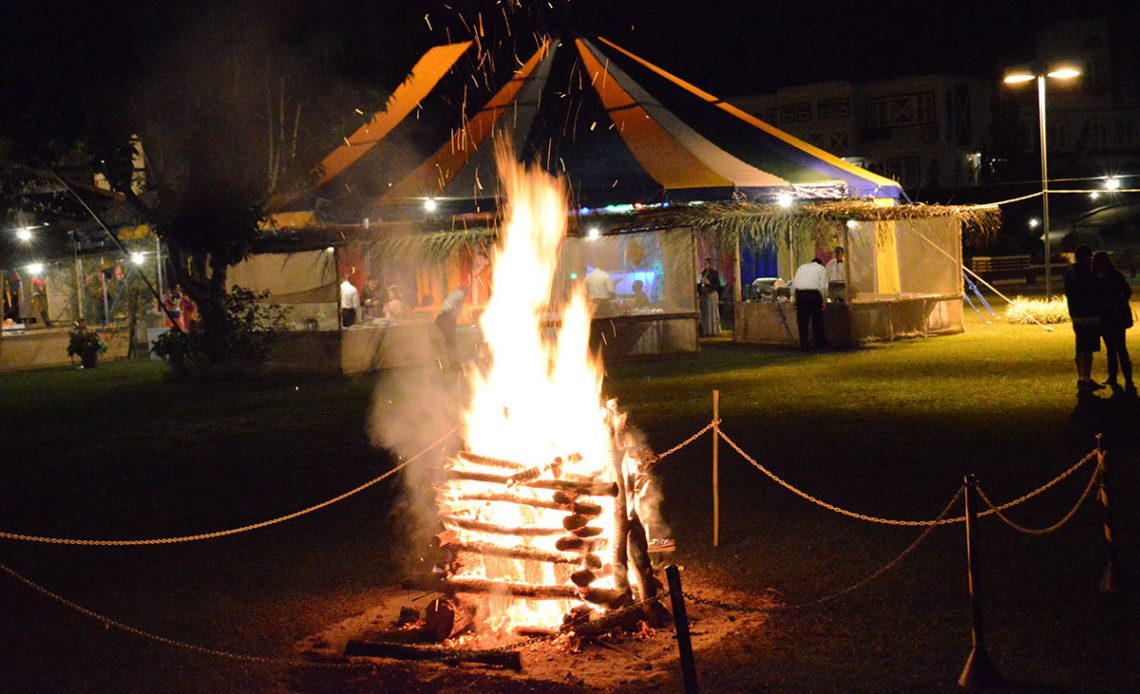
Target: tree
[{"x": 231, "y": 102}]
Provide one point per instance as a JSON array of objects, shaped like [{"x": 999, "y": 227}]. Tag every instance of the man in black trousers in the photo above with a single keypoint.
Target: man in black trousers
[{"x": 809, "y": 291}]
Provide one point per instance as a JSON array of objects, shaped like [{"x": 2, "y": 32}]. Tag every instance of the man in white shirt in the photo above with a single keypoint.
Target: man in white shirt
[
  {"x": 600, "y": 290},
  {"x": 836, "y": 272},
  {"x": 349, "y": 303},
  {"x": 809, "y": 291}
]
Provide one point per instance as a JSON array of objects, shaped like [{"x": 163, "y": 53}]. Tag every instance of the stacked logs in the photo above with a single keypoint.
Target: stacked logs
[
  {"x": 577, "y": 541},
  {"x": 580, "y": 550}
]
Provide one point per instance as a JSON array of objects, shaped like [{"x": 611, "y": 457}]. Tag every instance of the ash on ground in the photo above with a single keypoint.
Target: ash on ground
[{"x": 623, "y": 660}]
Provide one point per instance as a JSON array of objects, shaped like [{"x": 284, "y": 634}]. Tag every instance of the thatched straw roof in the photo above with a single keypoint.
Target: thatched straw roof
[
  {"x": 760, "y": 225},
  {"x": 753, "y": 224}
]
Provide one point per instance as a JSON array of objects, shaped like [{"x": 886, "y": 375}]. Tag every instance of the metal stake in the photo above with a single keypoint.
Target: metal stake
[
  {"x": 716, "y": 469},
  {"x": 681, "y": 623},
  {"x": 979, "y": 670},
  {"x": 1114, "y": 579}
]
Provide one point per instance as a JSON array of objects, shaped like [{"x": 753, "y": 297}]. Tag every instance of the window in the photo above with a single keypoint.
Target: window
[
  {"x": 833, "y": 108},
  {"x": 788, "y": 114},
  {"x": 901, "y": 111},
  {"x": 803, "y": 112}
]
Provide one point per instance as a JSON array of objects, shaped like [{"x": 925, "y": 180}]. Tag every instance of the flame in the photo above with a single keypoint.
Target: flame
[{"x": 538, "y": 399}]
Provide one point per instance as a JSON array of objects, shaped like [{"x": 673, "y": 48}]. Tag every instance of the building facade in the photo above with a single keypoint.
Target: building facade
[{"x": 925, "y": 131}]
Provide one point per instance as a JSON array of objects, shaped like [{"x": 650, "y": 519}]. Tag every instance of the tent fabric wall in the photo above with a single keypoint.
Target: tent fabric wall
[
  {"x": 290, "y": 278},
  {"x": 304, "y": 281}
]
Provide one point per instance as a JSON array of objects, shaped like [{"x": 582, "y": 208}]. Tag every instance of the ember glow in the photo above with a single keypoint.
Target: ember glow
[{"x": 530, "y": 505}]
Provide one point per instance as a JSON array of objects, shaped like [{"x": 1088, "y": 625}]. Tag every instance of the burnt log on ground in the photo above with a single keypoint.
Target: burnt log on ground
[
  {"x": 581, "y": 508},
  {"x": 580, "y": 488},
  {"x": 625, "y": 619},
  {"x": 448, "y": 617},
  {"x": 483, "y": 527},
  {"x": 597, "y": 596},
  {"x": 510, "y": 660},
  {"x": 523, "y": 552}
]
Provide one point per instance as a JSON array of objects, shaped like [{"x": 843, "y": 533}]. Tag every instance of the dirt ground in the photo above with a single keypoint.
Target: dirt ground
[{"x": 617, "y": 662}]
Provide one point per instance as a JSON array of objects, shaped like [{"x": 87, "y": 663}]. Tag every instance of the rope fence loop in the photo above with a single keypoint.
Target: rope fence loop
[
  {"x": 1049, "y": 529},
  {"x": 815, "y": 602},
  {"x": 232, "y": 531},
  {"x": 831, "y": 507},
  {"x": 910, "y": 523},
  {"x": 1042, "y": 489},
  {"x": 455, "y": 654},
  {"x": 711, "y": 425}
]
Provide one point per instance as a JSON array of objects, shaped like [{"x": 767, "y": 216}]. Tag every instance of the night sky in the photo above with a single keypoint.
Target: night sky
[{"x": 739, "y": 47}]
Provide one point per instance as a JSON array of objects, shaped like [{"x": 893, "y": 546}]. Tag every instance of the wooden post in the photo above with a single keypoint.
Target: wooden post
[
  {"x": 1113, "y": 580},
  {"x": 681, "y": 622},
  {"x": 716, "y": 468},
  {"x": 979, "y": 670}
]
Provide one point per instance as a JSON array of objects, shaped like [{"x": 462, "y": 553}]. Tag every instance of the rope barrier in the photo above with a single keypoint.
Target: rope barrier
[
  {"x": 686, "y": 442},
  {"x": 845, "y": 591},
  {"x": 142, "y": 633},
  {"x": 446, "y": 654},
  {"x": 890, "y": 521},
  {"x": 232, "y": 531},
  {"x": 1052, "y": 528}
]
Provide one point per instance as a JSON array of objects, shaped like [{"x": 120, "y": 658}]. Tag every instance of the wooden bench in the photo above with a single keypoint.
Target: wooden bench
[{"x": 1002, "y": 269}]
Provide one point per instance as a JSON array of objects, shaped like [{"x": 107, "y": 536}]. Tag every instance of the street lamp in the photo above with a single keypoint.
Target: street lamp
[{"x": 1018, "y": 76}]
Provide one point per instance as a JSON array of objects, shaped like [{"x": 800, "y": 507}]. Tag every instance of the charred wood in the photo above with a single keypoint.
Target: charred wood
[
  {"x": 597, "y": 596},
  {"x": 488, "y": 461},
  {"x": 523, "y": 552},
  {"x": 579, "y": 488},
  {"x": 509, "y": 660},
  {"x": 483, "y": 527},
  {"x": 578, "y": 544},
  {"x": 583, "y": 508},
  {"x": 448, "y": 617}
]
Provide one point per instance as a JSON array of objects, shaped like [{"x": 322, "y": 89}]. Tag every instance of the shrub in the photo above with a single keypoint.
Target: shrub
[
  {"x": 248, "y": 330},
  {"x": 1023, "y": 310}
]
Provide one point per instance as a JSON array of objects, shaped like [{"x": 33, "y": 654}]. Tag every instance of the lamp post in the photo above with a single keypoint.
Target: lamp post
[{"x": 1018, "y": 76}]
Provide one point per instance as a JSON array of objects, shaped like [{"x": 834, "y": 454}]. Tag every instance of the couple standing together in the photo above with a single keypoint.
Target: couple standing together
[{"x": 1098, "y": 297}]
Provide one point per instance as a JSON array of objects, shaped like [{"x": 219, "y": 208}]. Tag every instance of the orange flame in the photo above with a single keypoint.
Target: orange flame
[{"x": 539, "y": 400}]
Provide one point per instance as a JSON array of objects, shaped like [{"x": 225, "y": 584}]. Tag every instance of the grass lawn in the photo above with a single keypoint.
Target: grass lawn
[{"x": 887, "y": 430}]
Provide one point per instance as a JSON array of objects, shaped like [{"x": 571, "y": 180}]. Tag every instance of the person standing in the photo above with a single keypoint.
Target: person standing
[
  {"x": 809, "y": 292},
  {"x": 349, "y": 303},
  {"x": 1115, "y": 318},
  {"x": 710, "y": 287},
  {"x": 447, "y": 322},
  {"x": 836, "y": 272},
  {"x": 1082, "y": 293}
]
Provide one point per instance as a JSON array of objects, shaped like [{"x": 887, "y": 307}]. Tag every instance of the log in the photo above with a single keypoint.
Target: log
[
  {"x": 585, "y": 577},
  {"x": 580, "y": 488},
  {"x": 627, "y": 620},
  {"x": 591, "y": 561},
  {"x": 574, "y": 521},
  {"x": 572, "y": 544},
  {"x": 582, "y": 508},
  {"x": 587, "y": 531},
  {"x": 597, "y": 596},
  {"x": 445, "y": 538},
  {"x": 483, "y": 527},
  {"x": 509, "y": 659},
  {"x": 488, "y": 461},
  {"x": 448, "y": 617},
  {"x": 523, "y": 552}
]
